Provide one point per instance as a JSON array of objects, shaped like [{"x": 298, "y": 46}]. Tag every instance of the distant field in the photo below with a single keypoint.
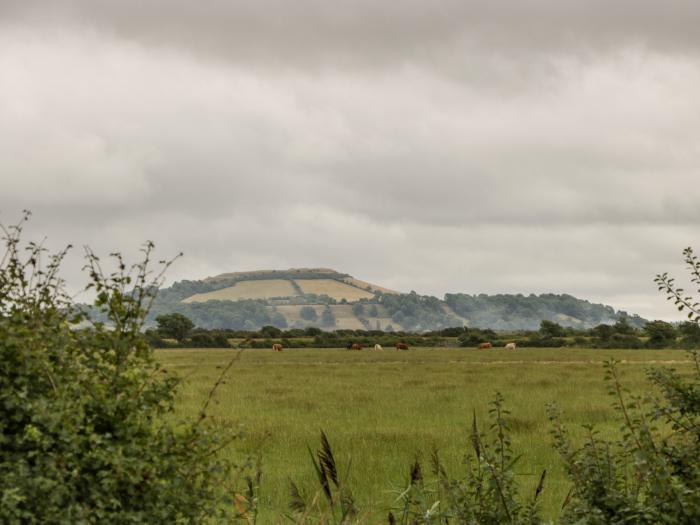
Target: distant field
[
  {"x": 383, "y": 408},
  {"x": 364, "y": 285},
  {"x": 344, "y": 316},
  {"x": 247, "y": 290},
  {"x": 332, "y": 288}
]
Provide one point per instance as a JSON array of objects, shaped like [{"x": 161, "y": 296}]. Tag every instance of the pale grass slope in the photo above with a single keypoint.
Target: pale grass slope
[
  {"x": 334, "y": 289},
  {"x": 373, "y": 287},
  {"x": 263, "y": 289}
]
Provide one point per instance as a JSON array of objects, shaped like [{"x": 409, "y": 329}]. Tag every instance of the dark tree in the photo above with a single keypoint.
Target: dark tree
[
  {"x": 690, "y": 334},
  {"x": 174, "y": 326},
  {"x": 551, "y": 329},
  {"x": 308, "y": 313},
  {"x": 660, "y": 334},
  {"x": 270, "y": 331},
  {"x": 327, "y": 318}
]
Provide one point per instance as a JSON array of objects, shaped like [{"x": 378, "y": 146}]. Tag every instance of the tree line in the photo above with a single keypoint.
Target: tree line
[{"x": 177, "y": 330}]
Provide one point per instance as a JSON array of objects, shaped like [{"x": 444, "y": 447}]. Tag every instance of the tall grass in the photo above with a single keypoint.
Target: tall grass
[{"x": 382, "y": 410}]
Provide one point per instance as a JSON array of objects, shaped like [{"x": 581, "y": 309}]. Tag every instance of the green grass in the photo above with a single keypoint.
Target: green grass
[{"x": 381, "y": 409}]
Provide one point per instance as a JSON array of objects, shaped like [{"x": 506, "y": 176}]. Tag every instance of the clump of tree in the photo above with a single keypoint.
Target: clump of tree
[
  {"x": 246, "y": 314},
  {"x": 416, "y": 312},
  {"x": 327, "y": 318},
  {"x": 86, "y": 433},
  {"x": 525, "y": 312},
  {"x": 175, "y": 326},
  {"x": 308, "y": 313}
]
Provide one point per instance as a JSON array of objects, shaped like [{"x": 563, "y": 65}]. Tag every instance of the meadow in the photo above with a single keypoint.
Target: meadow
[{"x": 381, "y": 410}]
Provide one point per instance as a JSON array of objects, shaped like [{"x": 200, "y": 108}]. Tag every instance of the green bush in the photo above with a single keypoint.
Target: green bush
[
  {"x": 648, "y": 475},
  {"x": 86, "y": 431}
]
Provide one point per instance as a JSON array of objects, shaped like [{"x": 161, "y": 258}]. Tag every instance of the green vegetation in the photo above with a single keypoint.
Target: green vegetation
[
  {"x": 90, "y": 427},
  {"x": 175, "y": 326},
  {"x": 418, "y": 312},
  {"x": 246, "y": 314},
  {"x": 656, "y": 334},
  {"x": 86, "y": 429},
  {"x": 381, "y": 409},
  {"x": 327, "y": 318},
  {"x": 520, "y": 312},
  {"x": 408, "y": 312},
  {"x": 308, "y": 313}
]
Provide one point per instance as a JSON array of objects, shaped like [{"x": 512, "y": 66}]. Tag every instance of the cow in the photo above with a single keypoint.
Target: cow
[
  {"x": 277, "y": 347},
  {"x": 401, "y": 346},
  {"x": 485, "y": 345},
  {"x": 378, "y": 347},
  {"x": 356, "y": 346},
  {"x": 511, "y": 346}
]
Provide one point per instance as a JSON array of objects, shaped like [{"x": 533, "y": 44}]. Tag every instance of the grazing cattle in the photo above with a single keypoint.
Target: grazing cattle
[
  {"x": 401, "y": 346},
  {"x": 349, "y": 345},
  {"x": 510, "y": 346},
  {"x": 485, "y": 345},
  {"x": 378, "y": 347},
  {"x": 356, "y": 346},
  {"x": 277, "y": 347}
]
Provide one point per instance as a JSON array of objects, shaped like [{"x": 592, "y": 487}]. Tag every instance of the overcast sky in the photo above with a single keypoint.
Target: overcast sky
[{"x": 521, "y": 146}]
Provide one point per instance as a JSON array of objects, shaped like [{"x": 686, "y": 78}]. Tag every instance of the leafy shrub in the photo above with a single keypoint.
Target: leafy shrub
[
  {"x": 651, "y": 473},
  {"x": 648, "y": 475},
  {"x": 85, "y": 432}
]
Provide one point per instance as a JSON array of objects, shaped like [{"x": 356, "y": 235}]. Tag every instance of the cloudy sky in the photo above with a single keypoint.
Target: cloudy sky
[{"x": 476, "y": 146}]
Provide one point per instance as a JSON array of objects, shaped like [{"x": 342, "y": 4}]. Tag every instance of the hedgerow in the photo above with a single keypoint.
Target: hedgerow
[{"x": 87, "y": 431}]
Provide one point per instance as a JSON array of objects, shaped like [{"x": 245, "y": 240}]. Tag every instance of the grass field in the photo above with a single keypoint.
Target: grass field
[
  {"x": 247, "y": 290},
  {"x": 332, "y": 288},
  {"x": 381, "y": 409}
]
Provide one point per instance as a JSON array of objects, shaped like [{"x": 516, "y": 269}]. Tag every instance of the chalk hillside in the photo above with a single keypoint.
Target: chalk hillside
[{"x": 332, "y": 300}]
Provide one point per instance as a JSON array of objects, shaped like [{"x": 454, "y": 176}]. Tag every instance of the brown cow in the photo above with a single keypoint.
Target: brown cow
[
  {"x": 401, "y": 346},
  {"x": 356, "y": 346},
  {"x": 277, "y": 347},
  {"x": 485, "y": 345}
]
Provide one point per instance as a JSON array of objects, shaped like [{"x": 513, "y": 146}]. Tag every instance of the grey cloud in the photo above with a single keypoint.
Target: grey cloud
[
  {"x": 476, "y": 147},
  {"x": 367, "y": 32}
]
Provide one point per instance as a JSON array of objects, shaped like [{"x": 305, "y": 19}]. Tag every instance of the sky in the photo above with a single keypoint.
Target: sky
[{"x": 487, "y": 146}]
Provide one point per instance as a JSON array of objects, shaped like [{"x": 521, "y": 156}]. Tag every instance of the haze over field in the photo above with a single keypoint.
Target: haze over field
[{"x": 481, "y": 146}]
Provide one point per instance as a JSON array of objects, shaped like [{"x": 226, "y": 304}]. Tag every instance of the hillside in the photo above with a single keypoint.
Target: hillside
[{"x": 303, "y": 297}]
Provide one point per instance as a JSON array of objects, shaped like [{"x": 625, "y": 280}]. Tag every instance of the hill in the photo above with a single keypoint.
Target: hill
[{"x": 323, "y": 297}]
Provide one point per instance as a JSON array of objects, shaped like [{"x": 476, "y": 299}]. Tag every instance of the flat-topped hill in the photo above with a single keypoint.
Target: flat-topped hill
[
  {"x": 293, "y": 283},
  {"x": 329, "y": 299}
]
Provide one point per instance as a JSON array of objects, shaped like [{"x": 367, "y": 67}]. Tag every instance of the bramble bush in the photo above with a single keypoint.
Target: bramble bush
[{"x": 87, "y": 433}]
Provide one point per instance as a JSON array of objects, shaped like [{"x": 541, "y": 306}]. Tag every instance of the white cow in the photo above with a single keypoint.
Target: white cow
[
  {"x": 378, "y": 347},
  {"x": 510, "y": 346}
]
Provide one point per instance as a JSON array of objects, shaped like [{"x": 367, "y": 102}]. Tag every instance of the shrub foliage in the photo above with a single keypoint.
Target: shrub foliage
[{"x": 86, "y": 434}]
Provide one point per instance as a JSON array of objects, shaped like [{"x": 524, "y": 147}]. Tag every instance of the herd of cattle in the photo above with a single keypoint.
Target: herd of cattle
[{"x": 399, "y": 346}]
